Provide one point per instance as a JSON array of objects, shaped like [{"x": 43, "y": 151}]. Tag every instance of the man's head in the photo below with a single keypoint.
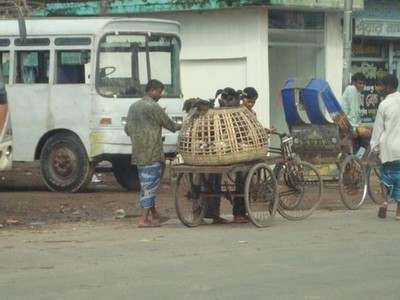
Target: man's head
[
  {"x": 154, "y": 89},
  {"x": 358, "y": 80},
  {"x": 249, "y": 97},
  {"x": 390, "y": 84}
]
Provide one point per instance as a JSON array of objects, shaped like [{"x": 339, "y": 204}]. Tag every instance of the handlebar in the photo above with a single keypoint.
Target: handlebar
[
  {"x": 281, "y": 135},
  {"x": 284, "y": 136}
]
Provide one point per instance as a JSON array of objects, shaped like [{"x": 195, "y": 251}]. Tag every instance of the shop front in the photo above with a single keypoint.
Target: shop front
[{"x": 375, "y": 53}]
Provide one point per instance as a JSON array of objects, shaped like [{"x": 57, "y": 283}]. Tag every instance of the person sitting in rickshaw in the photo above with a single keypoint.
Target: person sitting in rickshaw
[{"x": 351, "y": 99}]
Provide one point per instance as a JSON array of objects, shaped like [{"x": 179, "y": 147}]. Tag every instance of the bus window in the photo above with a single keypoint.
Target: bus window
[
  {"x": 72, "y": 66},
  {"x": 127, "y": 62},
  {"x": 32, "y": 66}
]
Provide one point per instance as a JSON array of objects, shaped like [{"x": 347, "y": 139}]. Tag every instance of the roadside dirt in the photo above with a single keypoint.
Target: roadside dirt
[{"x": 26, "y": 201}]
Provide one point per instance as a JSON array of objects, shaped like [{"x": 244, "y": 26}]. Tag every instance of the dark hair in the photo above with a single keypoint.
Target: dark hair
[
  {"x": 249, "y": 92},
  {"x": 391, "y": 81},
  {"x": 154, "y": 84},
  {"x": 358, "y": 76},
  {"x": 219, "y": 91},
  {"x": 229, "y": 91}
]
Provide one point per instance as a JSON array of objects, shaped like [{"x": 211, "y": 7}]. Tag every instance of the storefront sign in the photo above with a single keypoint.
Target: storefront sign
[
  {"x": 384, "y": 28},
  {"x": 373, "y": 90},
  {"x": 366, "y": 49},
  {"x": 330, "y": 4}
]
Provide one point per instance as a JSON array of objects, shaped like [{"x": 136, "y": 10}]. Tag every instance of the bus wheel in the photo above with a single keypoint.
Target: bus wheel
[
  {"x": 64, "y": 164},
  {"x": 126, "y": 174}
]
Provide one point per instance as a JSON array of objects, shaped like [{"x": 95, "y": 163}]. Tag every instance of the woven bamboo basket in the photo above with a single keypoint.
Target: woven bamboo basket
[{"x": 222, "y": 136}]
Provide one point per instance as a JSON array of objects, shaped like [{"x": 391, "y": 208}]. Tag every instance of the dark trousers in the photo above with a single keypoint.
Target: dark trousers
[
  {"x": 239, "y": 207},
  {"x": 213, "y": 204}
]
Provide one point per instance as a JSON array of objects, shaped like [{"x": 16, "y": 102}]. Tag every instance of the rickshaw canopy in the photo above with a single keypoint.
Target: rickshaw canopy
[{"x": 309, "y": 95}]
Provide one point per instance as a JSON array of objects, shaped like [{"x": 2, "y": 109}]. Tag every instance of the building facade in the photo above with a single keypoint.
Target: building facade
[
  {"x": 245, "y": 43},
  {"x": 376, "y": 49}
]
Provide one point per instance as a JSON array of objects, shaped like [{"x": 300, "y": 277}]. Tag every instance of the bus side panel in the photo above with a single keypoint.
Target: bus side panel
[
  {"x": 6, "y": 157},
  {"x": 29, "y": 113},
  {"x": 37, "y": 109},
  {"x": 70, "y": 108}
]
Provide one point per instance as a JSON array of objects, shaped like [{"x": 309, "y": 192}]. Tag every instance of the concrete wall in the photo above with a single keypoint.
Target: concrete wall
[
  {"x": 230, "y": 48},
  {"x": 334, "y": 52},
  {"x": 225, "y": 48}
]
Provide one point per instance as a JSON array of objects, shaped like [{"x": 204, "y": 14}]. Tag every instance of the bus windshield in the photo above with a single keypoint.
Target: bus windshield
[{"x": 128, "y": 61}]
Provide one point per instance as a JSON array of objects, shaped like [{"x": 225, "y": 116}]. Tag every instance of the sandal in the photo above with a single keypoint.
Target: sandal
[
  {"x": 219, "y": 220},
  {"x": 382, "y": 212},
  {"x": 239, "y": 219},
  {"x": 148, "y": 225},
  {"x": 202, "y": 222},
  {"x": 160, "y": 220}
]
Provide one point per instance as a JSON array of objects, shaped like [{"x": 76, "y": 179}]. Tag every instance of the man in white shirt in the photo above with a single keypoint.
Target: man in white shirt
[{"x": 385, "y": 140}]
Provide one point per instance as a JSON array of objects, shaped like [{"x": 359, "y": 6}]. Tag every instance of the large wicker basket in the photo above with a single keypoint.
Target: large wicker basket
[{"x": 222, "y": 136}]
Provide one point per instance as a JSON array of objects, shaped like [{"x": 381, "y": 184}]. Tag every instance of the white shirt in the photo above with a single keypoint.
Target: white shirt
[
  {"x": 386, "y": 133},
  {"x": 350, "y": 103}
]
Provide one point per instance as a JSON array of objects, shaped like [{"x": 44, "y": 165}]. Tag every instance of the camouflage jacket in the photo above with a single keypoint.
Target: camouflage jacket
[{"x": 144, "y": 123}]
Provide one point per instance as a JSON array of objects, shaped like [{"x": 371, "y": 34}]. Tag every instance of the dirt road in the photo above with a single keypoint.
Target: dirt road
[
  {"x": 25, "y": 199},
  {"x": 71, "y": 246},
  {"x": 334, "y": 254}
]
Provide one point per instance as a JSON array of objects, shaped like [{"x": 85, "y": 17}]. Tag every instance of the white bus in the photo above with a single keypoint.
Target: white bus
[
  {"x": 70, "y": 83},
  {"x": 6, "y": 150}
]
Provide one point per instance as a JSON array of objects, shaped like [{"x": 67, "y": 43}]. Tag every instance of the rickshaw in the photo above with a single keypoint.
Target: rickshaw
[
  {"x": 324, "y": 136},
  {"x": 293, "y": 187}
]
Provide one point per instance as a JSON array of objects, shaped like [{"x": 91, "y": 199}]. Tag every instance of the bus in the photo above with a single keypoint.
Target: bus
[
  {"x": 6, "y": 139},
  {"x": 70, "y": 83}
]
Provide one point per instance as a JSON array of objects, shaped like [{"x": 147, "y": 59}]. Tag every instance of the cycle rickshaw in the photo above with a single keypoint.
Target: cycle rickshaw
[
  {"x": 323, "y": 136},
  {"x": 293, "y": 187}
]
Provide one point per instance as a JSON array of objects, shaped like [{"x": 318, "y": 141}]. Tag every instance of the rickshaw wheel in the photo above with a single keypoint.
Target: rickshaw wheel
[
  {"x": 300, "y": 191},
  {"x": 261, "y": 195},
  {"x": 352, "y": 182},
  {"x": 189, "y": 202},
  {"x": 374, "y": 184}
]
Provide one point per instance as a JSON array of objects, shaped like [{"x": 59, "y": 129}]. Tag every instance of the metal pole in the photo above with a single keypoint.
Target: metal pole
[{"x": 347, "y": 38}]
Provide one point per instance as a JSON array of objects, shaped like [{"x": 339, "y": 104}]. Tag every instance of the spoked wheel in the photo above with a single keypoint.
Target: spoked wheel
[
  {"x": 352, "y": 182},
  {"x": 189, "y": 202},
  {"x": 300, "y": 191},
  {"x": 374, "y": 184},
  {"x": 261, "y": 195}
]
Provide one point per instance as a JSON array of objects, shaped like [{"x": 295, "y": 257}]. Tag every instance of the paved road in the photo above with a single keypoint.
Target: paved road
[{"x": 335, "y": 254}]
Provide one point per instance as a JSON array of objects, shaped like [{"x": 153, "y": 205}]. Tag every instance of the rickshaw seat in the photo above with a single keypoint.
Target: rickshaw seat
[{"x": 317, "y": 137}]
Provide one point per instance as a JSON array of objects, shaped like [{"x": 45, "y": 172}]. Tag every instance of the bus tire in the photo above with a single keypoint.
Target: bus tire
[
  {"x": 126, "y": 174},
  {"x": 64, "y": 164}
]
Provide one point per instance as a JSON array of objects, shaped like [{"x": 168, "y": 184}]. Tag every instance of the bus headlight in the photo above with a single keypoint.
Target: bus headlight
[{"x": 8, "y": 151}]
